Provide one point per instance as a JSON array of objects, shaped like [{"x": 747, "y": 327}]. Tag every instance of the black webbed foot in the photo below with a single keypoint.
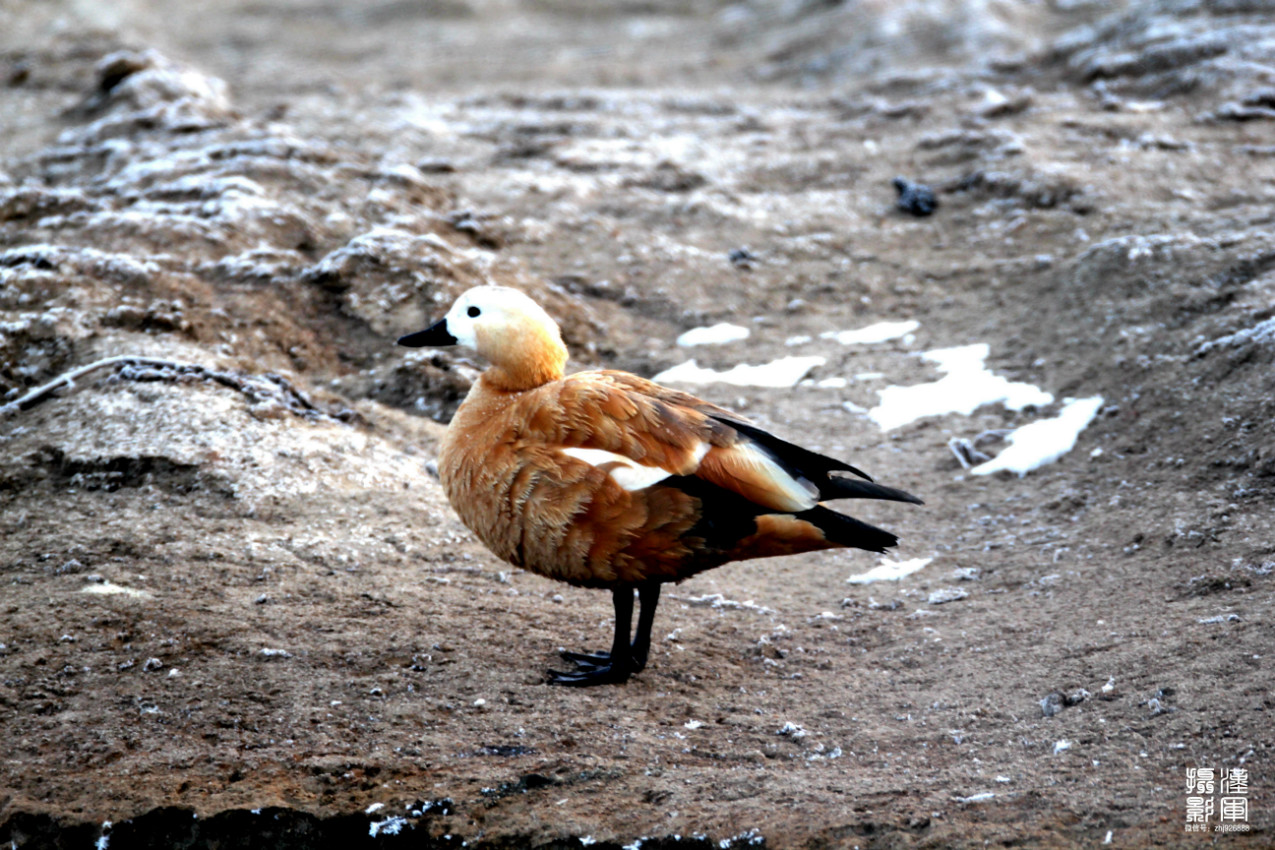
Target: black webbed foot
[
  {"x": 591, "y": 670},
  {"x": 625, "y": 658},
  {"x": 587, "y": 660}
]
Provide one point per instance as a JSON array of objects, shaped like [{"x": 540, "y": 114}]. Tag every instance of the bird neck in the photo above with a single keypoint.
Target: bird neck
[{"x": 526, "y": 360}]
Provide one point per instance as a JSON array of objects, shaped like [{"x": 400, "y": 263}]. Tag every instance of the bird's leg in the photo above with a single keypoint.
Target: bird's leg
[
  {"x": 590, "y": 660},
  {"x": 603, "y": 669},
  {"x": 649, "y": 595}
]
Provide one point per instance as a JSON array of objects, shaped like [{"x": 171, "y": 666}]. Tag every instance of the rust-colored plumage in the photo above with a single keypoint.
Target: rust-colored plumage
[{"x": 605, "y": 479}]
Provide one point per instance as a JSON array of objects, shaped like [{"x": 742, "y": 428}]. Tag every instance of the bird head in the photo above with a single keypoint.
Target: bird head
[{"x": 520, "y": 340}]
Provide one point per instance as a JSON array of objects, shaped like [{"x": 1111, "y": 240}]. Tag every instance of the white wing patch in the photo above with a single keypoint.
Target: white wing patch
[{"x": 624, "y": 471}]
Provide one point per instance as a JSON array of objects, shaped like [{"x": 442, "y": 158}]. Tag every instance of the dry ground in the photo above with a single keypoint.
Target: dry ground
[{"x": 226, "y": 599}]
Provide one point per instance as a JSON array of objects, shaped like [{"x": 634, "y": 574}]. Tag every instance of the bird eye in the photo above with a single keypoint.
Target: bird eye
[{"x": 474, "y": 312}]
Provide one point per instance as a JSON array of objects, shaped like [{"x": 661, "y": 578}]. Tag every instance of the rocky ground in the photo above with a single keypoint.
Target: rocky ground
[{"x": 237, "y": 610}]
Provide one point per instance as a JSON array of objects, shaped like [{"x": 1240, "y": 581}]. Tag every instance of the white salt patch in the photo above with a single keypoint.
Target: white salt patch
[
  {"x": 693, "y": 724},
  {"x": 834, "y": 383},
  {"x": 976, "y": 798},
  {"x": 1259, "y": 334},
  {"x": 880, "y": 332},
  {"x": 107, "y": 588},
  {"x": 890, "y": 570},
  {"x": 1061, "y": 746},
  {"x": 719, "y": 602},
  {"x": 406, "y": 172},
  {"x": 715, "y": 335},
  {"x": 784, "y": 372},
  {"x": 1039, "y": 443},
  {"x": 966, "y": 386},
  {"x": 392, "y": 825}
]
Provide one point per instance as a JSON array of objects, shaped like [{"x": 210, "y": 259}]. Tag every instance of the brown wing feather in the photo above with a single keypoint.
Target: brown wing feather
[
  {"x": 685, "y": 435},
  {"x": 628, "y": 416}
]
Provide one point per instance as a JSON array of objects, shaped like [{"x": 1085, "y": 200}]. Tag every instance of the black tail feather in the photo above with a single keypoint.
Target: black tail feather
[
  {"x": 851, "y": 488},
  {"x": 849, "y": 531}
]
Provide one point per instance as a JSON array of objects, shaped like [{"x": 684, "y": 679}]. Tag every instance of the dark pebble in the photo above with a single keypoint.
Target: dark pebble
[{"x": 915, "y": 198}]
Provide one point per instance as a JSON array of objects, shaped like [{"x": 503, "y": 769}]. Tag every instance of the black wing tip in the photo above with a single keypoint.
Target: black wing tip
[
  {"x": 883, "y": 546},
  {"x": 842, "y": 466},
  {"x": 802, "y": 460},
  {"x": 849, "y": 488},
  {"x": 816, "y": 467}
]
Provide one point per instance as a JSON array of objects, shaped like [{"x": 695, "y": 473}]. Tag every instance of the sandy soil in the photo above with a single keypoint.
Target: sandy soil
[{"x": 237, "y": 610}]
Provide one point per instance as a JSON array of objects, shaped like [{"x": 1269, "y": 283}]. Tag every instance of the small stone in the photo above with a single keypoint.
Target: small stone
[
  {"x": 915, "y": 198},
  {"x": 742, "y": 258},
  {"x": 1076, "y": 697},
  {"x": 71, "y": 566},
  {"x": 946, "y": 594}
]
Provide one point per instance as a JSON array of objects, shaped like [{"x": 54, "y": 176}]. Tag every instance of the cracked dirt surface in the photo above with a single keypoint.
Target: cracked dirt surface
[{"x": 254, "y": 604}]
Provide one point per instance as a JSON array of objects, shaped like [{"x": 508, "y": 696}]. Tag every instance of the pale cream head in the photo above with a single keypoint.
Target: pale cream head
[{"x": 514, "y": 333}]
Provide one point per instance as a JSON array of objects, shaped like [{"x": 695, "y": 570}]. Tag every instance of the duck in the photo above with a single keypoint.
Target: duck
[{"x": 604, "y": 479}]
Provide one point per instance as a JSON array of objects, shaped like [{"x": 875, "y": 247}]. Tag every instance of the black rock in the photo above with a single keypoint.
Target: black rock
[
  {"x": 915, "y": 198},
  {"x": 742, "y": 258}
]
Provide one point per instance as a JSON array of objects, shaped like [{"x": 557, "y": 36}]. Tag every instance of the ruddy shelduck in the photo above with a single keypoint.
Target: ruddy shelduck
[{"x": 605, "y": 479}]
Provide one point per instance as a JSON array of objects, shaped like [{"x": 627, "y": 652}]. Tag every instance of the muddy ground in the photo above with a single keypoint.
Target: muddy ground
[{"x": 237, "y": 610}]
